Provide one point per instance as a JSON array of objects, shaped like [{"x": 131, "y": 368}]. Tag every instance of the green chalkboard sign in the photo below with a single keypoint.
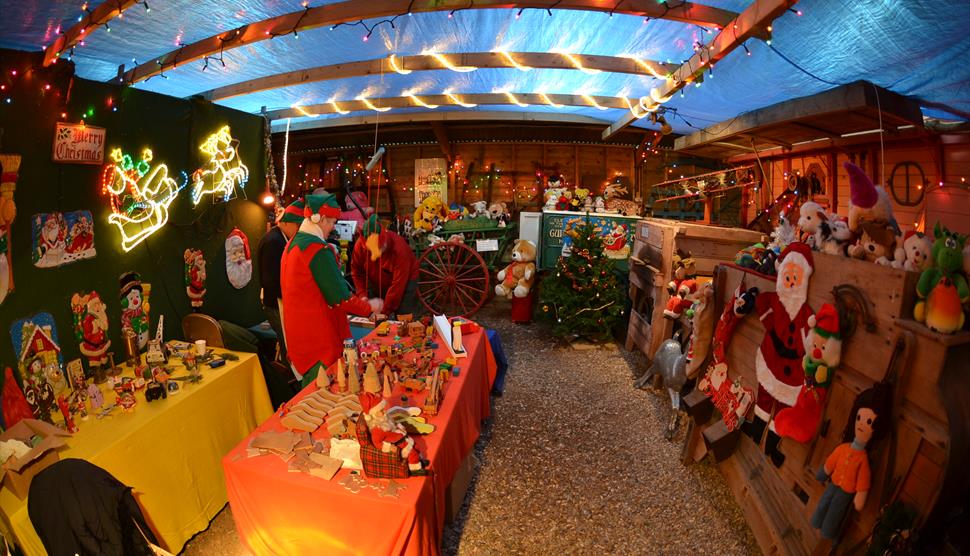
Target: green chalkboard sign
[{"x": 617, "y": 232}]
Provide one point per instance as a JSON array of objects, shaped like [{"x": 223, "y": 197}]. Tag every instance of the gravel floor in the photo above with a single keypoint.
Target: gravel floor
[{"x": 574, "y": 461}]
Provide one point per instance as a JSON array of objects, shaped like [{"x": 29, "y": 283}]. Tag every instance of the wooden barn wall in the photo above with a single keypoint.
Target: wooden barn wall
[
  {"x": 515, "y": 180},
  {"x": 949, "y": 205}
]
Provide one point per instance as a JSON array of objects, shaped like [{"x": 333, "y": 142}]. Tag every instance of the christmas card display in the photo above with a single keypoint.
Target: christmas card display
[
  {"x": 785, "y": 315},
  {"x": 134, "y": 306},
  {"x": 195, "y": 276},
  {"x": 617, "y": 238},
  {"x": 583, "y": 297},
  {"x": 91, "y": 328},
  {"x": 39, "y": 360},
  {"x": 9, "y": 166},
  {"x": 239, "y": 260},
  {"x": 62, "y": 238}
]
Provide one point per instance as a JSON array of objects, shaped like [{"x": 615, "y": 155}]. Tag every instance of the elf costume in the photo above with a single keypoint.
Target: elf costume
[
  {"x": 316, "y": 299},
  {"x": 823, "y": 348},
  {"x": 784, "y": 314},
  {"x": 384, "y": 264}
]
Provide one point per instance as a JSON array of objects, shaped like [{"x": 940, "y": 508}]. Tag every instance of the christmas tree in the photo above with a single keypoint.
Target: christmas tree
[{"x": 583, "y": 298}]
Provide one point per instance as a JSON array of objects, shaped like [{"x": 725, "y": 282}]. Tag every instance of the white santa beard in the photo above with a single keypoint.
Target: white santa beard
[
  {"x": 239, "y": 273},
  {"x": 792, "y": 299}
]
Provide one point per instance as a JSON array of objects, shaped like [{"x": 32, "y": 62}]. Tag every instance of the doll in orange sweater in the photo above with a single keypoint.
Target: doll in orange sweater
[{"x": 847, "y": 468}]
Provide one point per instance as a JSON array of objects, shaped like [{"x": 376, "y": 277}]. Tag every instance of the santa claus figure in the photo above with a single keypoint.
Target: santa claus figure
[
  {"x": 388, "y": 436},
  {"x": 195, "y": 277},
  {"x": 91, "y": 328},
  {"x": 239, "y": 260},
  {"x": 785, "y": 315},
  {"x": 823, "y": 352},
  {"x": 51, "y": 243},
  {"x": 82, "y": 236}
]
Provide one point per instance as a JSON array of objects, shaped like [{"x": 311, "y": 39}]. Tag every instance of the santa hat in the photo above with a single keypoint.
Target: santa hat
[
  {"x": 799, "y": 249},
  {"x": 241, "y": 237},
  {"x": 293, "y": 213},
  {"x": 862, "y": 192},
  {"x": 318, "y": 206},
  {"x": 371, "y": 404},
  {"x": 826, "y": 321}
]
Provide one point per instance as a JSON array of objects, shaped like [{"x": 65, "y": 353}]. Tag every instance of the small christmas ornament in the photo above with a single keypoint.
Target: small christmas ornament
[
  {"x": 239, "y": 260},
  {"x": 134, "y": 306},
  {"x": 91, "y": 328},
  {"x": 195, "y": 276}
]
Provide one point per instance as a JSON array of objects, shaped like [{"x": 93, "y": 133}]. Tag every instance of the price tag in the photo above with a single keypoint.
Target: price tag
[{"x": 483, "y": 245}]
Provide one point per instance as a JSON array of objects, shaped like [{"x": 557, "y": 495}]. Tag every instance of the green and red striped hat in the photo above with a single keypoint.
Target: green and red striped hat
[
  {"x": 317, "y": 206},
  {"x": 293, "y": 213}
]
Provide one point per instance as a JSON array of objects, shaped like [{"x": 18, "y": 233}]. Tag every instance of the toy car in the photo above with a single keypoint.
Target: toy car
[{"x": 155, "y": 391}]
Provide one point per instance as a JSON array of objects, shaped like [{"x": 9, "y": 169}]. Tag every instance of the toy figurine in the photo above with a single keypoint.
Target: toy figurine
[
  {"x": 941, "y": 288},
  {"x": 847, "y": 468},
  {"x": 66, "y": 412},
  {"x": 172, "y": 387},
  {"x": 127, "y": 402},
  {"x": 91, "y": 328},
  {"x": 155, "y": 391},
  {"x": 195, "y": 277},
  {"x": 96, "y": 397}
]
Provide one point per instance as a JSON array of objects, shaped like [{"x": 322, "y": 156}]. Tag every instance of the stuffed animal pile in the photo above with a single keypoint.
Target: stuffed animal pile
[{"x": 558, "y": 196}]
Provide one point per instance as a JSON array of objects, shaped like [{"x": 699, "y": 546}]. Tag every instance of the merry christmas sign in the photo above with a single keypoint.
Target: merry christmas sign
[{"x": 78, "y": 144}]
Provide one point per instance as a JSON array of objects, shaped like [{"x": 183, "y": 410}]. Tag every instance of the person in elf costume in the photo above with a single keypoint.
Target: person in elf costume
[
  {"x": 270, "y": 255},
  {"x": 846, "y": 470},
  {"x": 823, "y": 351},
  {"x": 383, "y": 266},
  {"x": 316, "y": 298},
  {"x": 778, "y": 362}
]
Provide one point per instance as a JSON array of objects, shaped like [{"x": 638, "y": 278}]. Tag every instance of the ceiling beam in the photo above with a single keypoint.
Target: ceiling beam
[
  {"x": 92, "y": 19},
  {"x": 343, "y": 106},
  {"x": 442, "y": 136},
  {"x": 350, "y": 11},
  {"x": 758, "y": 15},
  {"x": 457, "y": 116},
  {"x": 423, "y": 62}
]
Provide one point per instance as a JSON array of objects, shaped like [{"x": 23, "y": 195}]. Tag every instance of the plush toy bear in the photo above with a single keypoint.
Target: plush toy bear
[
  {"x": 832, "y": 236},
  {"x": 877, "y": 240},
  {"x": 811, "y": 214},
  {"x": 683, "y": 265},
  {"x": 480, "y": 208},
  {"x": 430, "y": 214},
  {"x": 913, "y": 251},
  {"x": 516, "y": 279},
  {"x": 500, "y": 212},
  {"x": 867, "y": 201},
  {"x": 941, "y": 288},
  {"x": 580, "y": 198}
]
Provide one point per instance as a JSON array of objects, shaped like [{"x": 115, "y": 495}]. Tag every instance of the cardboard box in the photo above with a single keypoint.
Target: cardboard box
[{"x": 16, "y": 473}]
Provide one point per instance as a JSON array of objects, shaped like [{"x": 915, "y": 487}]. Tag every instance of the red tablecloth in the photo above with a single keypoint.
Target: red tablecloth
[{"x": 281, "y": 512}]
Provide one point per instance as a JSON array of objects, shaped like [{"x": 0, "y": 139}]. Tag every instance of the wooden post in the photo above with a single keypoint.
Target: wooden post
[
  {"x": 834, "y": 179},
  {"x": 488, "y": 188}
]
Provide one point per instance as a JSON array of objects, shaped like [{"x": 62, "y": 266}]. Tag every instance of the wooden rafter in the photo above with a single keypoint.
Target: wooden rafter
[
  {"x": 342, "y": 106},
  {"x": 758, "y": 15},
  {"x": 423, "y": 62},
  {"x": 490, "y": 116},
  {"x": 350, "y": 11},
  {"x": 93, "y": 19}
]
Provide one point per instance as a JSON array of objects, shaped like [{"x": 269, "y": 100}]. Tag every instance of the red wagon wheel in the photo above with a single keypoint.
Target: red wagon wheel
[{"x": 453, "y": 279}]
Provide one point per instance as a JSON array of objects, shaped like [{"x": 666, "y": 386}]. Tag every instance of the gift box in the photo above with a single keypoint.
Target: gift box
[
  {"x": 16, "y": 473},
  {"x": 522, "y": 308}
]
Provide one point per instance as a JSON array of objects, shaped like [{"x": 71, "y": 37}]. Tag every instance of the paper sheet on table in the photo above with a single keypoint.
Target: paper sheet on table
[{"x": 348, "y": 450}]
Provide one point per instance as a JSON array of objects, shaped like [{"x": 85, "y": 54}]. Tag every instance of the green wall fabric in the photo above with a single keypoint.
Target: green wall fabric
[{"x": 173, "y": 128}]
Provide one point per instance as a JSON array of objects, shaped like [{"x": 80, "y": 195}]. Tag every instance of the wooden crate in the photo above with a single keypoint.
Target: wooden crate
[
  {"x": 930, "y": 447},
  {"x": 656, "y": 241}
]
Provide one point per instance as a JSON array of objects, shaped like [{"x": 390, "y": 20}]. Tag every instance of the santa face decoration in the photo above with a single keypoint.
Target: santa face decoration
[{"x": 239, "y": 260}]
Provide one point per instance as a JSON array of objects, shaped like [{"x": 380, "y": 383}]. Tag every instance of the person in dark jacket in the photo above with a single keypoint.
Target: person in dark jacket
[{"x": 270, "y": 251}]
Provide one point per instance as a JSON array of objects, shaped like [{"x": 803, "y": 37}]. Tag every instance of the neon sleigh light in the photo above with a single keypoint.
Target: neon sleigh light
[
  {"x": 224, "y": 170},
  {"x": 140, "y": 195}
]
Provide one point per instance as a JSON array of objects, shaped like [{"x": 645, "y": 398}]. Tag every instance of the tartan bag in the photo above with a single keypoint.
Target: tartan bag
[{"x": 377, "y": 463}]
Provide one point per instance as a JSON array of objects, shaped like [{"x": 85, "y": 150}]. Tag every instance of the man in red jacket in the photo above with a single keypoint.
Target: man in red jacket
[
  {"x": 316, "y": 298},
  {"x": 384, "y": 266}
]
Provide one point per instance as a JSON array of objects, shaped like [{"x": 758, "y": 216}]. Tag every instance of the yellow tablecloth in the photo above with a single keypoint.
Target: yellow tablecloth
[{"x": 168, "y": 451}]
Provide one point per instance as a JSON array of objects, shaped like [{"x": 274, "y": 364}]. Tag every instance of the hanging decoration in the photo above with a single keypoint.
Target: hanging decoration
[
  {"x": 78, "y": 143},
  {"x": 271, "y": 183},
  {"x": 9, "y": 167},
  {"x": 39, "y": 360},
  {"x": 134, "y": 306},
  {"x": 140, "y": 195},
  {"x": 91, "y": 328},
  {"x": 195, "y": 276},
  {"x": 223, "y": 172},
  {"x": 62, "y": 238},
  {"x": 239, "y": 260},
  {"x": 430, "y": 178}
]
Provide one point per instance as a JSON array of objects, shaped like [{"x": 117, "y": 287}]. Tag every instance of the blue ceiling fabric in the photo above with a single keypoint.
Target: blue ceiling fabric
[{"x": 908, "y": 47}]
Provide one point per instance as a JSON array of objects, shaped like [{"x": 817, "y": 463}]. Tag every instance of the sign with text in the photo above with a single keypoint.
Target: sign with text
[
  {"x": 430, "y": 178},
  {"x": 78, "y": 144},
  {"x": 485, "y": 245}
]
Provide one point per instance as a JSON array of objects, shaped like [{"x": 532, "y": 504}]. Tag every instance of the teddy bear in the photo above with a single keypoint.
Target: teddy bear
[
  {"x": 867, "y": 201},
  {"x": 683, "y": 265},
  {"x": 580, "y": 199},
  {"x": 878, "y": 240},
  {"x": 480, "y": 208},
  {"x": 516, "y": 279},
  {"x": 913, "y": 250},
  {"x": 430, "y": 214},
  {"x": 500, "y": 212},
  {"x": 551, "y": 197},
  {"x": 832, "y": 235},
  {"x": 811, "y": 214}
]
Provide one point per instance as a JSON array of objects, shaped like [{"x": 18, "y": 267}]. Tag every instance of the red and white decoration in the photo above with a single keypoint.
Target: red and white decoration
[{"x": 239, "y": 259}]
